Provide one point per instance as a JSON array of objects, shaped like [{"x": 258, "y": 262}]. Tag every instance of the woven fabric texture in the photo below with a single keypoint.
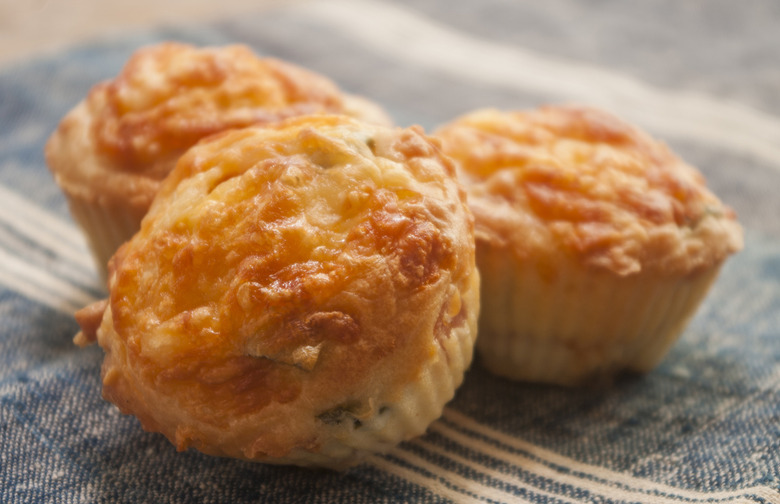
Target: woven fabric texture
[{"x": 704, "y": 427}]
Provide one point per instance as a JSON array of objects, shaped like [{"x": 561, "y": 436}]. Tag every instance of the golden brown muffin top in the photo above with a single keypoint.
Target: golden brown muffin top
[
  {"x": 117, "y": 144},
  {"x": 581, "y": 181},
  {"x": 169, "y": 96},
  {"x": 311, "y": 261}
]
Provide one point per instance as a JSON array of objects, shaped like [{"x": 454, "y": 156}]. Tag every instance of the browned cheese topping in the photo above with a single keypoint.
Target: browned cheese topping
[
  {"x": 582, "y": 181},
  {"x": 169, "y": 96},
  {"x": 316, "y": 259}
]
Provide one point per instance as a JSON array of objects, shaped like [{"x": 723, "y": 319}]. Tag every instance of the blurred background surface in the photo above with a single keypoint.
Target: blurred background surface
[{"x": 32, "y": 26}]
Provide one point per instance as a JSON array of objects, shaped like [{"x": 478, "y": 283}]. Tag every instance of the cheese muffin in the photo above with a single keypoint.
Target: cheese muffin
[
  {"x": 110, "y": 153},
  {"x": 303, "y": 293},
  {"x": 595, "y": 242}
]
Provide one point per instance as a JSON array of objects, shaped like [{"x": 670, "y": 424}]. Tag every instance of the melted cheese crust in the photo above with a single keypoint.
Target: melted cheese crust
[
  {"x": 580, "y": 183},
  {"x": 284, "y": 272},
  {"x": 125, "y": 137},
  {"x": 171, "y": 95}
]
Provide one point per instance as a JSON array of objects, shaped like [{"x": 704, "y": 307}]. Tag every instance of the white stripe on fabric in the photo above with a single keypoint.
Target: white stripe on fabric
[
  {"x": 429, "y": 481},
  {"x": 39, "y": 285},
  {"x": 541, "y": 469},
  {"x": 592, "y": 478},
  {"x": 20, "y": 246},
  {"x": 401, "y": 34},
  {"x": 38, "y": 225},
  {"x": 442, "y": 481},
  {"x": 501, "y": 477}
]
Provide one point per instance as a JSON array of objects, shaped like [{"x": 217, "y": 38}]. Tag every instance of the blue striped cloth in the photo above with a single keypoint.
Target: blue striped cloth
[{"x": 702, "y": 428}]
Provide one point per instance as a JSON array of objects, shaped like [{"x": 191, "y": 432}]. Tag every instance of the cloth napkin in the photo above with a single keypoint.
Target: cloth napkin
[{"x": 704, "y": 427}]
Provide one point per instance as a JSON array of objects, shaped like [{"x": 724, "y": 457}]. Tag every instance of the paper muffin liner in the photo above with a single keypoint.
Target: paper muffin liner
[
  {"x": 105, "y": 228},
  {"x": 570, "y": 325}
]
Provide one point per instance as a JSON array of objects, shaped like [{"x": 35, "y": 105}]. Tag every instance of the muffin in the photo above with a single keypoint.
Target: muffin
[
  {"x": 300, "y": 293},
  {"x": 111, "y": 152},
  {"x": 595, "y": 243}
]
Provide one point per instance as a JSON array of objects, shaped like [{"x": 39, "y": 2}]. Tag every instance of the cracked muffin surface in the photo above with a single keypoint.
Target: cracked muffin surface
[
  {"x": 298, "y": 293},
  {"x": 111, "y": 152},
  {"x": 595, "y": 242},
  {"x": 581, "y": 181}
]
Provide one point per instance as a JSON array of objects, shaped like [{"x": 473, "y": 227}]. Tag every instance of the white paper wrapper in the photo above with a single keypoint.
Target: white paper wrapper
[
  {"x": 572, "y": 325},
  {"x": 105, "y": 229}
]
